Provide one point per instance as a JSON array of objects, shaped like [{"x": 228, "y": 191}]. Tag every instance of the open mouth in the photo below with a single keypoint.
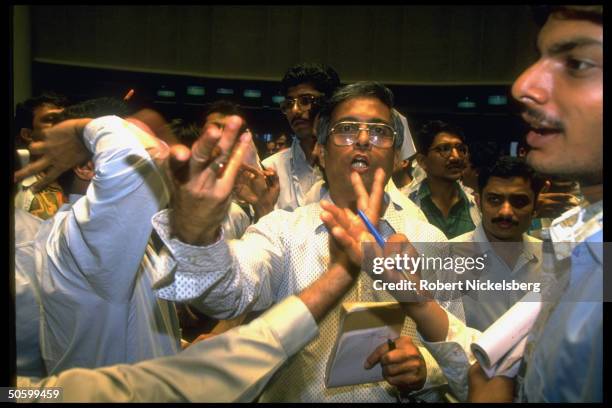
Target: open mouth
[{"x": 360, "y": 163}]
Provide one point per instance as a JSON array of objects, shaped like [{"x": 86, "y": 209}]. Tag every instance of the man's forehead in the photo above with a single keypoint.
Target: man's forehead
[
  {"x": 302, "y": 89},
  {"x": 502, "y": 185},
  {"x": 362, "y": 108},
  {"x": 47, "y": 108},
  {"x": 444, "y": 137},
  {"x": 564, "y": 34}
]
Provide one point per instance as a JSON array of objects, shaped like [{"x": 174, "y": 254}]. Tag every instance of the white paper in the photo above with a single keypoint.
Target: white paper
[
  {"x": 353, "y": 349},
  {"x": 501, "y": 340}
]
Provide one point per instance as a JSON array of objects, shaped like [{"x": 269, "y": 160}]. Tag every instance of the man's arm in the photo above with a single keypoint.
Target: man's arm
[{"x": 234, "y": 366}]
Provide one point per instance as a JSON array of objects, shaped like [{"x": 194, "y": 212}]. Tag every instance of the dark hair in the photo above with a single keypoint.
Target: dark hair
[
  {"x": 95, "y": 108},
  {"x": 322, "y": 77},
  {"x": 90, "y": 108},
  {"x": 593, "y": 13},
  {"x": 367, "y": 89},
  {"x": 508, "y": 167},
  {"x": 484, "y": 153},
  {"x": 24, "y": 111},
  {"x": 224, "y": 107},
  {"x": 187, "y": 133},
  {"x": 429, "y": 130}
]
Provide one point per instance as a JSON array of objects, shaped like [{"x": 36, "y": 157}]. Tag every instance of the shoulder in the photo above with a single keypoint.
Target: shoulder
[
  {"x": 467, "y": 237},
  {"x": 279, "y": 159}
]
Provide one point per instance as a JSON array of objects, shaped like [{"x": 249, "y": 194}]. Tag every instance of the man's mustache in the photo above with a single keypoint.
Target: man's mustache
[
  {"x": 539, "y": 119},
  {"x": 503, "y": 219}
]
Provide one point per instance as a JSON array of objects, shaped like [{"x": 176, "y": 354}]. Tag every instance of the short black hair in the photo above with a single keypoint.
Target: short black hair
[
  {"x": 484, "y": 153},
  {"x": 508, "y": 167},
  {"x": 429, "y": 130},
  {"x": 593, "y": 13},
  {"x": 95, "y": 108},
  {"x": 24, "y": 111},
  {"x": 368, "y": 89},
  {"x": 186, "y": 132},
  {"x": 224, "y": 107},
  {"x": 322, "y": 77}
]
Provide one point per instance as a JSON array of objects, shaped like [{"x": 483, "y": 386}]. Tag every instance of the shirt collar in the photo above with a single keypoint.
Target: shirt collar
[
  {"x": 579, "y": 224},
  {"x": 392, "y": 213},
  {"x": 480, "y": 237},
  {"x": 28, "y": 181},
  {"x": 424, "y": 191}
]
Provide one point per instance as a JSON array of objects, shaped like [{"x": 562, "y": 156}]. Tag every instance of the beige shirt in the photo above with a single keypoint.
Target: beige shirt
[{"x": 233, "y": 366}]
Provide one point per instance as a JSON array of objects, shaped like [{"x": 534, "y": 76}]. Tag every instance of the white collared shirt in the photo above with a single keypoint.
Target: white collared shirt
[
  {"x": 295, "y": 175},
  {"x": 94, "y": 264},
  {"x": 280, "y": 256},
  {"x": 485, "y": 307}
]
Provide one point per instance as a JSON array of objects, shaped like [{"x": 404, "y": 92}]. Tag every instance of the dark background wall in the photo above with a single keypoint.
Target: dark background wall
[{"x": 432, "y": 57}]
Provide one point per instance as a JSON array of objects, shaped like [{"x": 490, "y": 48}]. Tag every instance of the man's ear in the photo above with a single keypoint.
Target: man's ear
[
  {"x": 86, "y": 171},
  {"x": 26, "y": 135}
]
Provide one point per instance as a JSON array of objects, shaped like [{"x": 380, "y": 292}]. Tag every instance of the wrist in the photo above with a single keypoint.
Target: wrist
[{"x": 193, "y": 233}]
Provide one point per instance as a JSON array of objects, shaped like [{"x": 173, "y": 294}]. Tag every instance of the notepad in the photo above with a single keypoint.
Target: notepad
[{"x": 363, "y": 327}]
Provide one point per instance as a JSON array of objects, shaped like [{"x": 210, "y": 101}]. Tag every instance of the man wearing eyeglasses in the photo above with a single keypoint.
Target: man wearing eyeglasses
[
  {"x": 286, "y": 251},
  {"x": 442, "y": 153},
  {"x": 305, "y": 87}
]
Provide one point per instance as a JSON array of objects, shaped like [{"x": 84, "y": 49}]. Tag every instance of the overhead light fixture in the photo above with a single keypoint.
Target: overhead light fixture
[
  {"x": 166, "y": 93},
  {"x": 466, "y": 103},
  {"x": 196, "y": 90},
  {"x": 498, "y": 100},
  {"x": 278, "y": 98},
  {"x": 225, "y": 91},
  {"x": 252, "y": 93}
]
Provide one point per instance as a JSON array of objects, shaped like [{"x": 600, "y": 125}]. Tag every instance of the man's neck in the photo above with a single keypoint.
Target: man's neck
[
  {"x": 401, "y": 179},
  {"x": 307, "y": 144},
  {"x": 507, "y": 249},
  {"x": 444, "y": 193}
]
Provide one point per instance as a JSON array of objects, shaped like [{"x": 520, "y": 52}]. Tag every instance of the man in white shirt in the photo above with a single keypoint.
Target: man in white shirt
[
  {"x": 286, "y": 251},
  {"x": 508, "y": 193},
  {"x": 305, "y": 86},
  {"x": 93, "y": 260}
]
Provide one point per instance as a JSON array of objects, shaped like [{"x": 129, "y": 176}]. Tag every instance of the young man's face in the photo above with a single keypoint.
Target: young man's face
[
  {"x": 444, "y": 158},
  {"x": 562, "y": 94},
  {"x": 507, "y": 206},
  {"x": 301, "y": 118},
  {"x": 362, "y": 156},
  {"x": 44, "y": 117}
]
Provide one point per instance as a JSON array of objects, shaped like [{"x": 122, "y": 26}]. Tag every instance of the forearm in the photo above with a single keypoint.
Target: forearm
[
  {"x": 325, "y": 292},
  {"x": 430, "y": 318}
]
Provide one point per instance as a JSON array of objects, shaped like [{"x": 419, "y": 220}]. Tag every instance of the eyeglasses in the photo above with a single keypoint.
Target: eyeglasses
[
  {"x": 304, "y": 102},
  {"x": 346, "y": 133},
  {"x": 445, "y": 149}
]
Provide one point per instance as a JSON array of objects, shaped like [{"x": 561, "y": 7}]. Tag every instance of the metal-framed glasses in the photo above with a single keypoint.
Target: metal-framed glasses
[
  {"x": 304, "y": 102},
  {"x": 445, "y": 149},
  {"x": 347, "y": 133}
]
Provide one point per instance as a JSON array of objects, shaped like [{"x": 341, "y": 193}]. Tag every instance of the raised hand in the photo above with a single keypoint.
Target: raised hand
[
  {"x": 346, "y": 227},
  {"x": 203, "y": 180},
  {"x": 60, "y": 149},
  {"x": 260, "y": 188}
]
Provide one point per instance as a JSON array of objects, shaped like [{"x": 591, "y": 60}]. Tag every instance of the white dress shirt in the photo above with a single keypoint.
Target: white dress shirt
[
  {"x": 485, "y": 307},
  {"x": 279, "y": 256},
  {"x": 233, "y": 366},
  {"x": 27, "y": 296},
  {"x": 94, "y": 265},
  {"x": 295, "y": 175}
]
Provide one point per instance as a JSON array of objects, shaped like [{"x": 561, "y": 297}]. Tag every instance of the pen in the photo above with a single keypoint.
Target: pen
[
  {"x": 391, "y": 344},
  {"x": 371, "y": 228}
]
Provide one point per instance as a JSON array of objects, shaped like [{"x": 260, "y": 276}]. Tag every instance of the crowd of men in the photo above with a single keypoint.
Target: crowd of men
[{"x": 126, "y": 227}]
